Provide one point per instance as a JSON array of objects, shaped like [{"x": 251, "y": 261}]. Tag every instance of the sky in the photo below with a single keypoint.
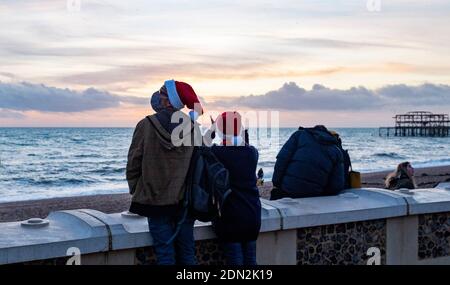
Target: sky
[{"x": 352, "y": 63}]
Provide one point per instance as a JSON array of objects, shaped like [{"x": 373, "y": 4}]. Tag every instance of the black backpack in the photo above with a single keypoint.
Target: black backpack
[
  {"x": 208, "y": 185},
  {"x": 347, "y": 163},
  {"x": 347, "y": 168},
  {"x": 207, "y": 188}
]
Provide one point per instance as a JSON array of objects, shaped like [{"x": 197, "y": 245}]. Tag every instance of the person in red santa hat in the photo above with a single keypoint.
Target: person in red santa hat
[
  {"x": 157, "y": 169},
  {"x": 182, "y": 94},
  {"x": 238, "y": 226}
]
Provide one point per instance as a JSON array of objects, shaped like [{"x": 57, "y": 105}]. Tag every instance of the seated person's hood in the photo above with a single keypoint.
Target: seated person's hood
[{"x": 322, "y": 136}]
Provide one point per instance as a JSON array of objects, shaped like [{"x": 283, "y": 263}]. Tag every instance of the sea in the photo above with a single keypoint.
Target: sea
[{"x": 38, "y": 163}]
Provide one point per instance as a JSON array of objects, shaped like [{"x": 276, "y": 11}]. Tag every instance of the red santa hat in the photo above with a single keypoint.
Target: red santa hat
[
  {"x": 229, "y": 125},
  {"x": 182, "y": 94}
]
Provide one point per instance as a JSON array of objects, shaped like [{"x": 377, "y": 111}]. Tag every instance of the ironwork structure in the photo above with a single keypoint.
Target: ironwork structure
[{"x": 418, "y": 124}]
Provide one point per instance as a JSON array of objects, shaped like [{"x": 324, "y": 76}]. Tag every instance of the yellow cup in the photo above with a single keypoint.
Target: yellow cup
[{"x": 355, "y": 179}]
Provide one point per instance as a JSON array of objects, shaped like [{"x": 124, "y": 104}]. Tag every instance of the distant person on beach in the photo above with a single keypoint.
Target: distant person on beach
[
  {"x": 403, "y": 177},
  {"x": 260, "y": 177},
  {"x": 239, "y": 223},
  {"x": 309, "y": 164},
  {"x": 156, "y": 173}
]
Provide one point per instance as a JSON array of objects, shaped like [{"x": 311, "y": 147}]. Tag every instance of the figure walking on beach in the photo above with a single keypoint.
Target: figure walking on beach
[
  {"x": 156, "y": 173},
  {"x": 403, "y": 177},
  {"x": 239, "y": 223}
]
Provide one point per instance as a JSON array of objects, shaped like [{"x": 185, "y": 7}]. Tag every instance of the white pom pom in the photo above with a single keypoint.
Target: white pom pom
[{"x": 194, "y": 115}]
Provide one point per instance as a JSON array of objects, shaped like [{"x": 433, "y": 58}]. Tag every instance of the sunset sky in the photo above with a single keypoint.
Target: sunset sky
[{"x": 339, "y": 63}]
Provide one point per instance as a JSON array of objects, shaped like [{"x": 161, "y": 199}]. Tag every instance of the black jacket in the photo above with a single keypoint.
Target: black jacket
[
  {"x": 309, "y": 164},
  {"x": 241, "y": 214}
]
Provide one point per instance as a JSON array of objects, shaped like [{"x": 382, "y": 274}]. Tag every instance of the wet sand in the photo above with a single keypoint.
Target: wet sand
[{"x": 113, "y": 203}]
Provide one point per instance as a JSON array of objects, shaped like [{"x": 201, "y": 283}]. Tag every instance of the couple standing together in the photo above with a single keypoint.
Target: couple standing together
[{"x": 158, "y": 163}]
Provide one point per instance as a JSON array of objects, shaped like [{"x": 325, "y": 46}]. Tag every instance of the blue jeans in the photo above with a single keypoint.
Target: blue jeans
[
  {"x": 181, "y": 250},
  {"x": 240, "y": 253}
]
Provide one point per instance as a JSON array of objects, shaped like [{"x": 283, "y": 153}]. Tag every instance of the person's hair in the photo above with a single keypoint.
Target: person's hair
[
  {"x": 402, "y": 168},
  {"x": 163, "y": 91},
  {"x": 164, "y": 96}
]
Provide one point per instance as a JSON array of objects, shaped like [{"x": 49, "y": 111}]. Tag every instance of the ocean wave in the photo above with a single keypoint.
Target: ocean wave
[
  {"x": 78, "y": 140},
  {"x": 18, "y": 144},
  {"x": 432, "y": 163},
  {"x": 88, "y": 155},
  {"x": 388, "y": 155},
  {"x": 54, "y": 181},
  {"x": 266, "y": 163},
  {"x": 108, "y": 170}
]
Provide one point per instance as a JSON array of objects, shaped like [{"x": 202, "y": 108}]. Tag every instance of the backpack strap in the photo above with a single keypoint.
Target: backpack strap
[
  {"x": 179, "y": 224},
  {"x": 349, "y": 161}
]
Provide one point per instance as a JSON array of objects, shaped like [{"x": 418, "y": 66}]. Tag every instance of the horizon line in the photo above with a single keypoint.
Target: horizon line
[{"x": 131, "y": 127}]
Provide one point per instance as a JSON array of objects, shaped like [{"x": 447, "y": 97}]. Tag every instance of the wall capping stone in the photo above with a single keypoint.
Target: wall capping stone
[
  {"x": 427, "y": 201},
  {"x": 66, "y": 229},
  {"x": 444, "y": 186},
  {"x": 95, "y": 232},
  {"x": 350, "y": 206}
]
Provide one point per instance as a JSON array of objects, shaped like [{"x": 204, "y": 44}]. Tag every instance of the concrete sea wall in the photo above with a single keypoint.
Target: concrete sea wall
[{"x": 359, "y": 226}]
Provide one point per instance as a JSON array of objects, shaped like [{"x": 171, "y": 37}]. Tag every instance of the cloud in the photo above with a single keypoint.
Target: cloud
[
  {"x": 340, "y": 44},
  {"x": 146, "y": 72},
  {"x": 425, "y": 94},
  {"x": 292, "y": 97},
  {"x": 7, "y": 74},
  {"x": 104, "y": 48},
  {"x": 8, "y": 114},
  {"x": 19, "y": 97},
  {"x": 25, "y": 96},
  {"x": 250, "y": 69}
]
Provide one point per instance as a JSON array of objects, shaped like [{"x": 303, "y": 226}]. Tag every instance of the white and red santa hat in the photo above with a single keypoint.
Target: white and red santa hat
[
  {"x": 229, "y": 126},
  {"x": 182, "y": 94}
]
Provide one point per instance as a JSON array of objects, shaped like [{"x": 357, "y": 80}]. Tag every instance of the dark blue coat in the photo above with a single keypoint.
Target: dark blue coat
[
  {"x": 309, "y": 164},
  {"x": 241, "y": 214}
]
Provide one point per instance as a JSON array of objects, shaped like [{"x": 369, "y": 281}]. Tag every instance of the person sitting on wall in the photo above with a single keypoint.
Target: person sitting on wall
[
  {"x": 309, "y": 164},
  {"x": 403, "y": 177}
]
